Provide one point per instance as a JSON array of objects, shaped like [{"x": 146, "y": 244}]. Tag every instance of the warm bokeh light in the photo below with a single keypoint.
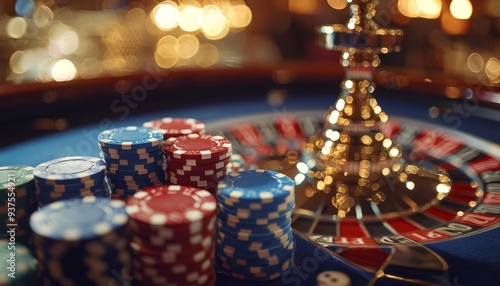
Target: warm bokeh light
[
  {"x": 21, "y": 61},
  {"x": 191, "y": 18},
  {"x": 16, "y": 27},
  {"x": 475, "y": 62},
  {"x": 239, "y": 16},
  {"x": 461, "y": 9},
  {"x": 428, "y": 9},
  {"x": 166, "y": 15},
  {"x": 408, "y": 8},
  {"x": 63, "y": 70},
  {"x": 214, "y": 21},
  {"x": 337, "y": 4},
  {"x": 492, "y": 69},
  {"x": 166, "y": 46},
  {"x": 207, "y": 55},
  {"x": 166, "y": 55},
  {"x": 63, "y": 41},
  {"x": 42, "y": 15},
  {"x": 187, "y": 46},
  {"x": 166, "y": 62}
]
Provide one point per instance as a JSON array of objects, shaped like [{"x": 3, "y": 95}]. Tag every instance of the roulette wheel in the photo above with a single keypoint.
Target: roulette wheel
[{"x": 396, "y": 198}]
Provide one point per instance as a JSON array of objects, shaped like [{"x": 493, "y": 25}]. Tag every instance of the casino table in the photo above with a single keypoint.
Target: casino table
[{"x": 41, "y": 122}]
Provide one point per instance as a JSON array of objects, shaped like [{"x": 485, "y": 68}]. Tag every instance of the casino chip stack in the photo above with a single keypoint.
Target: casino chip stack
[
  {"x": 176, "y": 127},
  {"x": 70, "y": 177},
  {"x": 134, "y": 159},
  {"x": 254, "y": 239},
  {"x": 197, "y": 160},
  {"x": 17, "y": 201},
  {"x": 173, "y": 231},
  {"x": 18, "y": 269},
  {"x": 82, "y": 241}
]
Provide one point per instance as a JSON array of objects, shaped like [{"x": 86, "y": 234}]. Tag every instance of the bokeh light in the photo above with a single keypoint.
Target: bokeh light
[
  {"x": 166, "y": 55},
  {"x": 42, "y": 16},
  {"x": 214, "y": 22},
  {"x": 408, "y": 8},
  {"x": 63, "y": 70},
  {"x": 461, "y": 9},
  {"x": 21, "y": 61},
  {"x": 492, "y": 69},
  {"x": 16, "y": 27},
  {"x": 428, "y": 9},
  {"x": 191, "y": 18},
  {"x": 475, "y": 62},
  {"x": 239, "y": 16},
  {"x": 207, "y": 55},
  {"x": 63, "y": 40},
  {"x": 187, "y": 46},
  {"x": 337, "y": 4},
  {"x": 166, "y": 15}
]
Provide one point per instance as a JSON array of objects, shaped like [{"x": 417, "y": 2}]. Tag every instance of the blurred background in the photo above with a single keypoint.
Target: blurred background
[{"x": 63, "y": 40}]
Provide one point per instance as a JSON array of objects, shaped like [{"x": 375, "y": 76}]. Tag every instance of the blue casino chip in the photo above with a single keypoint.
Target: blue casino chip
[
  {"x": 130, "y": 138},
  {"x": 234, "y": 220},
  {"x": 268, "y": 211},
  {"x": 78, "y": 219},
  {"x": 133, "y": 152},
  {"x": 70, "y": 170},
  {"x": 150, "y": 177},
  {"x": 258, "y": 273},
  {"x": 256, "y": 251},
  {"x": 140, "y": 159},
  {"x": 264, "y": 186},
  {"x": 259, "y": 269},
  {"x": 239, "y": 228},
  {"x": 68, "y": 189},
  {"x": 257, "y": 207}
]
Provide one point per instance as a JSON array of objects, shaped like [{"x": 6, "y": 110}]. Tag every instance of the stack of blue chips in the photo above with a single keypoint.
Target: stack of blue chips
[
  {"x": 82, "y": 242},
  {"x": 134, "y": 159},
  {"x": 70, "y": 177},
  {"x": 254, "y": 238}
]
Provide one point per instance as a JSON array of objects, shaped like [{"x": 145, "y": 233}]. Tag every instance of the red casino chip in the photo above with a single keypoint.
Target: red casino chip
[
  {"x": 201, "y": 273},
  {"x": 180, "y": 207},
  {"x": 202, "y": 149},
  {"x": 168, "y": 234},
  {"x": 189, "y": 178},
  {"x": 178, "y": 254},
  {"x": 175, "y": 127},
  {"x": 198, "y": 184},
  {"x": 210, "y": 172},
  {"x": 196, "y": 178},
  {"x": 173, "y": 166},
  {"x": 175, "y": 244}
]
